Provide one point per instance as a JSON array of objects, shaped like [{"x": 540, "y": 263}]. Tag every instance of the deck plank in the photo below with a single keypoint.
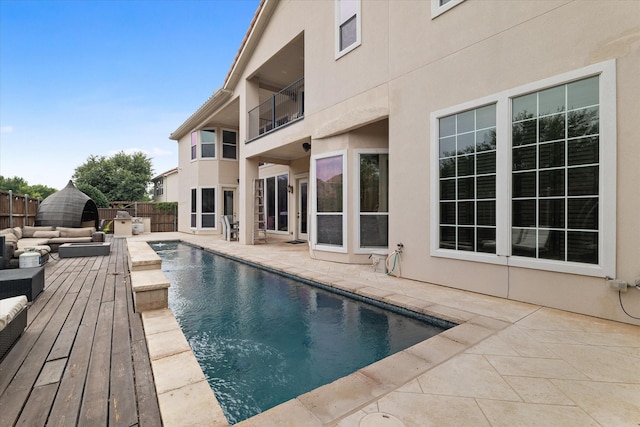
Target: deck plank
[
  {"x": 94, "y": 411},
  {"x": 83, "y": 359},
  {"x": 19, "y": 389}
]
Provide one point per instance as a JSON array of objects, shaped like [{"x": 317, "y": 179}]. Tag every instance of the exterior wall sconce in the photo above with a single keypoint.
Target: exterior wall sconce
[{"x": 290, "y": 188}]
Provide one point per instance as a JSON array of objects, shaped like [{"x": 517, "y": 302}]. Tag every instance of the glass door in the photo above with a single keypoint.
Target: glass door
[{"x": 303, "y": 213}]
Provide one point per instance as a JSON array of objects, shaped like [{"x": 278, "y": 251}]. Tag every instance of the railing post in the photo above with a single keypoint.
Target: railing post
[
  {"x": 273, "y": 112},
  {"x": 10, "y": 209}
]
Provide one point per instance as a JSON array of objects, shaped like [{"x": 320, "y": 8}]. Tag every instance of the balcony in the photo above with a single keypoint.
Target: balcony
[{"x": 280, "y": 109}]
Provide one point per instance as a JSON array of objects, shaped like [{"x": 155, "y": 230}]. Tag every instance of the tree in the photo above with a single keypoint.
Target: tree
[
  {"x": 20, "y": 186},
  {"x": 96, "y": 195},
  {"x": 119, "y": 177}
]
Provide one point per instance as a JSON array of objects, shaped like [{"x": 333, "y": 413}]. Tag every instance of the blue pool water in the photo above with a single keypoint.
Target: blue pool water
[{"x": 262, "y": 338}]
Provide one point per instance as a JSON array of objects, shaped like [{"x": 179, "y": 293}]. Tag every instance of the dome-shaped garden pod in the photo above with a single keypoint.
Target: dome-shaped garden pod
[{"x": 68, "y": 207}]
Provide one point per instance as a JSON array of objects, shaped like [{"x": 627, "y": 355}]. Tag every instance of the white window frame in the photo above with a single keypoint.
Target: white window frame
[
  {"x": 338, "y": 23},
  {"x": 222, "y": 144},
  {"x": 438, "y": 9},
  {"x": 314, "y": 204},
  {"x": 606, "y": 266},
  {"x": 215, "y": 144},
  {"x": 359, "y": 249}
]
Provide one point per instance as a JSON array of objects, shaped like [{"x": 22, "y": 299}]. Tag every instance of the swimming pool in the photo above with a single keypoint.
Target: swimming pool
[{"x": 262, "y": 338}]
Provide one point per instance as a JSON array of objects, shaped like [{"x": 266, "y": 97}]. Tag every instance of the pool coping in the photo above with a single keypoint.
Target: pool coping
[{"x": 180, "y": 394}]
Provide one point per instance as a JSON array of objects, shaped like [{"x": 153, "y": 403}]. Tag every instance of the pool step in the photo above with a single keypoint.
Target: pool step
[
  {"x": 142, "y": 257},
  {"x": 150, "y": 290},
  {"x": 149, "y": 284}
]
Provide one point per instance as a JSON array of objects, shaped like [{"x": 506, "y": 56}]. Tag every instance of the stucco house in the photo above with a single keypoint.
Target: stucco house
[
  {"x": 496, "y": 146},
  {"x": 166, "y": 186}
]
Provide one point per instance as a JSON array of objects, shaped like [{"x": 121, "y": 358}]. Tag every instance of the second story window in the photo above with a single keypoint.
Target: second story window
[
  {"x": 229, "y": 144},
  {"x": 159, "y": 187},
  {"x": 347, "y": 25},
  {"x": 208, "y": 144},
  {"x": 194, "y": 145}
]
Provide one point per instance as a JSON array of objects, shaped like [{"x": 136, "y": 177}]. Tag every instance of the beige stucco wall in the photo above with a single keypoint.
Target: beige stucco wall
[{"x": 485, "y": 60}]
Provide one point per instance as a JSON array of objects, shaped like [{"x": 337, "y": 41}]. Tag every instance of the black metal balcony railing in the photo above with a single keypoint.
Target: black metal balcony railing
[{"x": 281, "y": 108}]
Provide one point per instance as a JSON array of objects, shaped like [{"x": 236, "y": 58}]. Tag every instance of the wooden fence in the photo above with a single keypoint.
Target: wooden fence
[{"x": 17, "y": 210}]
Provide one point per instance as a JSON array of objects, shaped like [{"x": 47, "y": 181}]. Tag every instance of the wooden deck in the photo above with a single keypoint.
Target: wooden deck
[{"x": 83, "y": 358}]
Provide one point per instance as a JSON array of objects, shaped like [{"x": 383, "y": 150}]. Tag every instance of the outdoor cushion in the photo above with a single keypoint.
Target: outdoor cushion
[
  {"x": 18, "y": 232},
  {"x": 32, "y": 242},
  {"x": 7, "y": 231},
  {"x": 10, "y": 238},
  {"x": 46, "y": 234},
  {"x": 27, "y": 230},
  {"x": 9, "y": 308},
  {"x": 76, "y": 232}
]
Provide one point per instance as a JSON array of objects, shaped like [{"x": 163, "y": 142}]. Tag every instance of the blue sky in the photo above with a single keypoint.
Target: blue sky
[{"x": 94, "y": 77}]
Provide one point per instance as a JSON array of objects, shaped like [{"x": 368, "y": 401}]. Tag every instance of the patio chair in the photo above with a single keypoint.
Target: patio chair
[{"x": 231, "y": 229}]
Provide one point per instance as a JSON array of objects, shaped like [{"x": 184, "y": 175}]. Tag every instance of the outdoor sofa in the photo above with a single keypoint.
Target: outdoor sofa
[
  {"x": 13, "y": 321},
  {"x": 43, "y": 239}
]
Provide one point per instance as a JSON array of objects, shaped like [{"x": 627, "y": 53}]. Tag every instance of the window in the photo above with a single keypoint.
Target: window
[
  {"x": 329, "y": 201},
  {"x": 208, "y": 207},
  {"x": 277, "y": 202},
  {"x": 194, "y": 145},
  {"x": 194, "y": 208},
  {"x": 229, "y": 144},
  {"x": 159, "y": 186},
  {"x": 527, "y": 177},
  {"x": 467, "y": 157},
  {"x": 556, "y": 170},
  {"x": 348, "y": 26},
  {"x": 439, "y": 7},
  {"x": 374, "y": 199},
  {"x": 208, "y": 143}
]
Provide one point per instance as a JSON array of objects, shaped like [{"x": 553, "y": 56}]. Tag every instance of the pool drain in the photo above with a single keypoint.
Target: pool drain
[{"x": 380, "y": 419}]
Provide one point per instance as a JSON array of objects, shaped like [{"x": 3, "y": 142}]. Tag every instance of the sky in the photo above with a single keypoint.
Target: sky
[{"x": 95, "y": 77}]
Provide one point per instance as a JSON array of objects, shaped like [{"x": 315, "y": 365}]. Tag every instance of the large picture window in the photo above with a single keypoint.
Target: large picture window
[
  {"x": 329, "y": 172},
  {"x": 467, "y": 156},
  {"x": 555, "y": 178},
  {"x": 528, "y": 179},
  {"x": 374, "y": 200}
]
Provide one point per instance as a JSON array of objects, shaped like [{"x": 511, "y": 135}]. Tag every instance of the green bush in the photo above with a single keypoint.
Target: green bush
[{"x": 96, "y": 195}]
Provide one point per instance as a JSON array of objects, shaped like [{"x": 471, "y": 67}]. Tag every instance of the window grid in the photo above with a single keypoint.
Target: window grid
[
  {"x": 556, "y": 238},
  {"x": 476, "y": 234}
]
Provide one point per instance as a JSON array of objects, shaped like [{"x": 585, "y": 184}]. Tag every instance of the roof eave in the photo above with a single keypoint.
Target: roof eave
[
  {"x": 214, "y": 102},
  {"x": 250, "y": 41}
]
